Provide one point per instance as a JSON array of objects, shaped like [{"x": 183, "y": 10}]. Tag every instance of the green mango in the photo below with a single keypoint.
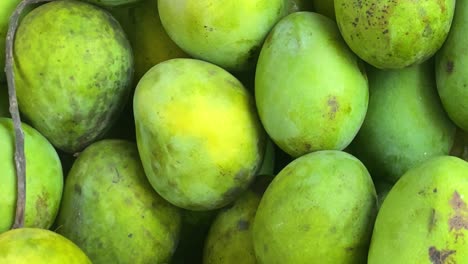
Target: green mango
[
  {"x": 198, "y": 133},
  {"x": 319, "y": 209},
  {"x": 325, "y": 7},
  {"x": 452, "y": 68},
  {"x": 150, "y": 42},
  {"x": 232, "y": 227},
  {"x": 424, "y": 218},
  {"x": 4, "y": 103},
  {"x": 39, "y": 246},
  {"x": 73, "y": 69},
  {"x": 394, "y": 34},
  {"x": 111, "y": 3},
  {"x": 310, "y": 90},
  {"x": 405, "y": 122},
  {"x": 226, "y": 33},
  {"x": 110, "y": 210},
  {"x": 44, "y": 178}
]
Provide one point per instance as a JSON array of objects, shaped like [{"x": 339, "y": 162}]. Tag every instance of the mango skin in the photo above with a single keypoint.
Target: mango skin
[
  {"x": 334, "y": 196},
  {"x": 451, "y": 65},
  {"x": 381, "y": 33},
  {"x": 198, "y": 133},
  {"x": 322, "y": 100},
  {"x": 4, "y": 103},
  {"x": 424, "y": 218},
  {"x": 39, "y": 246},
  {"x": 150, "y": 42},
  {"x": 226, "y": 33},
  {"x": 44, "y": 178},
  {"x": 229, "y": 240},
  {"x": 73, "y": 69},
  {"x": 110, "y": 210},
  {"x": 405, "y": 123}
]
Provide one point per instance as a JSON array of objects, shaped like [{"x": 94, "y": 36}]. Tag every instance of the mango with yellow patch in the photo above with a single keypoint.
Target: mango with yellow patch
[
  {"x": 198, "y": 133},
  {"x": 39, "y": 246},
  {"x": 424, "y": 218}
]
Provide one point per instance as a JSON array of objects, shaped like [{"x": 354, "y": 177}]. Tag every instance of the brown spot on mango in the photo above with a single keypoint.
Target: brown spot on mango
[
  {"x": 439, "y": 256},
  {"x": 459, "y": 220}
]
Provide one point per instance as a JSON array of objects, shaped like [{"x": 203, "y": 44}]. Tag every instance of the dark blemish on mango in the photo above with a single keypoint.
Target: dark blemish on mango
[
  {"x": 439, "y": 257},
  {"x": 459, "y": 220},
  {"x": 130, "y": 235},
  {"x": 435, "y": 190},
  {"x": 334, "y": 106},
  {"x": 349, "y": 249},
  {"x": 449, "y": 67},
  {"x": 116, "y": 177},
  {"x": 427, "y": 31},
  {"x": 243, "y": 225},
  {"x": 385, "y": 31},
  {"x": 41, "y": 207},
  {"x": 231, "y": 193},
  {"x": 77, "y": 189}
]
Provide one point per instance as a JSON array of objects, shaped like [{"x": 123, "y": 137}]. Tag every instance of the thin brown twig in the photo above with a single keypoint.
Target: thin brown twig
[{"x": 20, "y": 160}]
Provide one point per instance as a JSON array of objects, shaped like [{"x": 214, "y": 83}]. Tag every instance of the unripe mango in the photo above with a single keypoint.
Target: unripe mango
[
  {"x": 319, "y": 209},
  {"x": 198, "y": 133},
  {"x": 424, "y": 218},
  {"x": 394, "y": 34},
  {"x": 310, "y": 90},
  {"x": 452, "y": 69}
]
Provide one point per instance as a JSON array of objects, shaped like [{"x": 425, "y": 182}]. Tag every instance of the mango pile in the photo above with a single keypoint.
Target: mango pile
[{"x": 248, "y": 131}]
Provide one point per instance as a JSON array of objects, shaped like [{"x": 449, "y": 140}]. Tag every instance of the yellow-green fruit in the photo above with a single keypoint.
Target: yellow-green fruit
[
  {"x": 44, "y": 178},
  {"x": 110, "y": 210},
  {"x": 424, "y": 218},
  {"x": 4, "y": 104},
  {"x": 324, "y": 7},
  {"x": 232, "y": 227},
  {"x": 319, "y": 209},
  {"x": 198, "y": 134},
  {"x": 405, "y": 123},
  {"x": 394, "y": 34},
  {"x": 452, "y": 68},
  {"x": 227, "y": 33},
  {"x": 322, "y": 100},
  {"x": 73, "y": 69},
  {"x": 39, "y": 246},
  {"x": 150, "y": 42},
  {"x": 299, "y": 5}
]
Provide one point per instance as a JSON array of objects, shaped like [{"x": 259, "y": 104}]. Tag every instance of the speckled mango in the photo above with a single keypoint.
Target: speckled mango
[
  {"x": 39, "y": 246},
  {"x": 394, "y": 34},
  {"x": 310, "y": 89},
  {"x": 452, "y": 68},
  {"x": 198, "y": 133},
  {"x": 405, "y": 123},
  {"x": 73, "y": 70},
  {"x": 44, "y": 178},
  {"x": 150, "y": 42},
  {"x": 110, "y": 210},
  {"x": 320, "y": 208},
  {"x": 227, "y": 33},
  {"x": 424, "y": 218}
]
